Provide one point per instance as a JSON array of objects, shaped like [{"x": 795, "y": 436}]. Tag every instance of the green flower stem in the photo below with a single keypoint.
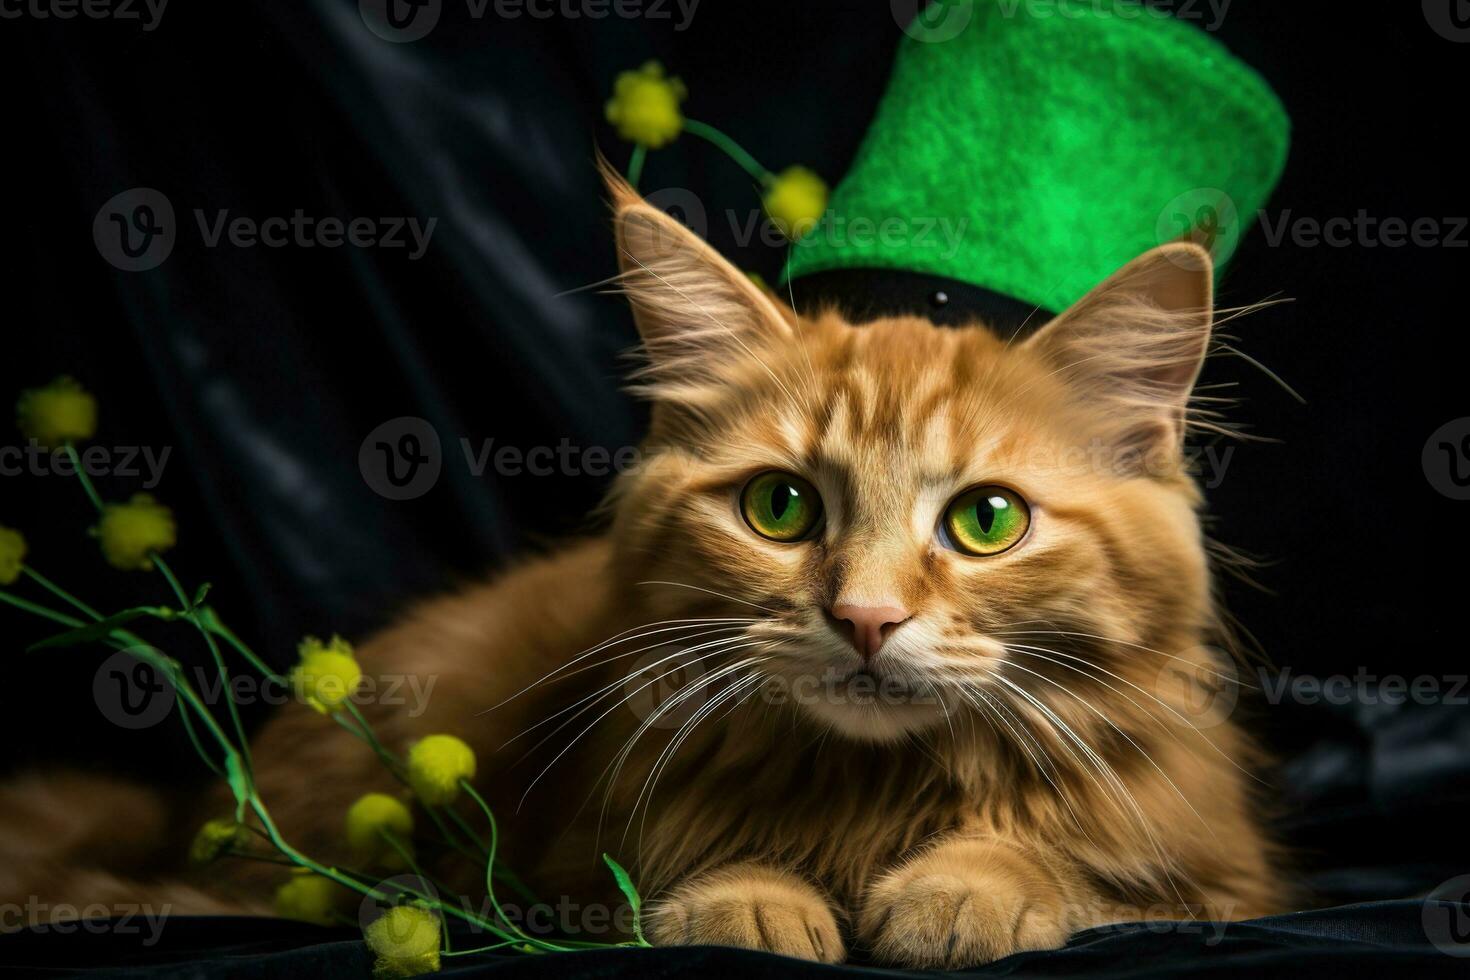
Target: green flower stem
[
  {"x": 503, "y": 873},
  {"x": 226, "y": 687},
  {"x": 92, "y": 495},
  {"x": 210, "y": 621},
  {"x": 237, "y": 760},
  {"x": 407, "y": 854},
  {"x": 194, "y": 738},
  {"x": 255, "y": 856},
  {"x": 190, "y": 700},
  {"x": 96, "y": 499},
  {"x": 59, "y": 592},
  {"x": 635, "y": 163},
  {"x": 464, "y": 785},
  {"x": 81, "y": 474},
  {"x": 482, "y": 949},
  {"x": 38, "y": 610},
  {"x": 364, "y": 730},
  {"x": 735, "y": 151}
]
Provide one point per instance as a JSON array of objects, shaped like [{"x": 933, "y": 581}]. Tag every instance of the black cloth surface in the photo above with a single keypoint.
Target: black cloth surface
[
  {"x": 264, "y": 370},
  {"x": 1379, "y": 939}
]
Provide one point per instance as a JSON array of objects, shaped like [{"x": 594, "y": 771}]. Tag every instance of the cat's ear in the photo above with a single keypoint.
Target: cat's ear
[
  {"x": 1134, "y": 345},
  {"x": 696, "y": 313}
]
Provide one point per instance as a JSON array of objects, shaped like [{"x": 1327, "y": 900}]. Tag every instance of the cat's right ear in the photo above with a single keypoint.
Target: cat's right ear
[{"x": 697, "y": 314}]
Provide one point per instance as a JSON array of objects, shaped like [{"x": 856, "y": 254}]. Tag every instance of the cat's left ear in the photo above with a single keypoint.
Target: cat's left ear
[
  {"x": 1134, "y": 345},
  {"x": 697, "y": 314}
]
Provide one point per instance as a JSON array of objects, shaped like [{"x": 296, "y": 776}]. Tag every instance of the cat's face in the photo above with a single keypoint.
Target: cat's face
[{"x": 914, "y": 519}]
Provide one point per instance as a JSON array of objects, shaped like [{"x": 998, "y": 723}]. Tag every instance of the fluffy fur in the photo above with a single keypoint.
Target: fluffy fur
[{"x": 1029, "y": 764}]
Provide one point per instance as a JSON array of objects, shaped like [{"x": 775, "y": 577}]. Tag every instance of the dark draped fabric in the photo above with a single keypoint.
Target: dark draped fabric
[{"x": 263, "y": 371}]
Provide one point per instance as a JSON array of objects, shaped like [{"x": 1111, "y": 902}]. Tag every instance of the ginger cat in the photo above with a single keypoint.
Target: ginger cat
[{"x": 947, "y": 596}]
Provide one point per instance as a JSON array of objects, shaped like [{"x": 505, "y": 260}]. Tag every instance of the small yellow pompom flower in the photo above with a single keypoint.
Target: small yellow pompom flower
[
  {"x": 406, "y": 942},
  {"x": 310, "y": 898},
  {"x": 213, "y": 839},
  {"x": 59, "y": 413},
  {"x": 12, "y": 555},
  {"x": 327, "y": 673},
  {"x": 435, "y": 767},
  {"x": 130, "y": 531},
  {"x": 368, "y": 818},
  {"x": 795, "y": 199},
  {"x": 645, "y": 106}
]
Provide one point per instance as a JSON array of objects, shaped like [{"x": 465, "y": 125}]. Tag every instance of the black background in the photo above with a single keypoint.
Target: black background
[{"x": 263, "y": 369}]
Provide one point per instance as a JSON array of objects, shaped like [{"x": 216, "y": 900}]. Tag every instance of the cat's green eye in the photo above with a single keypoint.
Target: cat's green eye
[
  {"x": 986, "y": 521},
  {"x": 780, "y": 506}
]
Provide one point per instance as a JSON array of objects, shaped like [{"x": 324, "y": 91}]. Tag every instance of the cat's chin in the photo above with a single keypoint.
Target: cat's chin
[{"x": 876, "y": 722}]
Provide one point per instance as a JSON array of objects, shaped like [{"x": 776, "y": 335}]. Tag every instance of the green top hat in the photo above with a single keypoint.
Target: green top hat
[{"x": 1031, "y": 147}]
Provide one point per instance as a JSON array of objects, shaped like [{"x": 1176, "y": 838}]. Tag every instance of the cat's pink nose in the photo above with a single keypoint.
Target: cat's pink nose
[{"x": 868, "y": 626}]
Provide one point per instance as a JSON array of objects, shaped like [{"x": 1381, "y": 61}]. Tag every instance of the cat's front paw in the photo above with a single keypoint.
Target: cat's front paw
[
  {"x": 960, "y": 905},
  {"x": 751, "y": 907}
]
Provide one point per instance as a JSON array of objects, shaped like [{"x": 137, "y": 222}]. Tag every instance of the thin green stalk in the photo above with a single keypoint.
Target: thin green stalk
[
  {"x": 501, "y": 872},
  {"x": 236, "y": 760},
  {"x": 38, "y": 610},
  {"x": 364, "y": 730},
  {"x": 81, "y": 474},
  {"x": 253, "y": 856},
  {"x": 262, "y": 814},
  {"x": 407, "y": 854},
  {"x": 482, "y": 949},
  {"x": 59, "y": 592},
  {"x": 635, "y": 164},
  {"x": 227, "y": 687},
  {"x": 194, "y": 738},
  {"x": 736, "y": 152},
  {"x": 213, "y": 624},
  {"x": 464, "y": 785}
]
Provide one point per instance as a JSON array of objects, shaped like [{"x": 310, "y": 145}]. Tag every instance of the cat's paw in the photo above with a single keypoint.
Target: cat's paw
[
  {"x": 751, "y": 907},
  {"x": 960, "y": 905}
]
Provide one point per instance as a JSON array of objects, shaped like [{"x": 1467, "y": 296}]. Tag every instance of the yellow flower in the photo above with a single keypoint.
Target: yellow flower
[
  {"x": 368, "y": 818},
  {"x": 130, "y": 531},
  {"x": 645, "y": 106},
  {"x": 12, "y": 555},
  {"x": 213, "y": 839},
  {"x": 435, "y": 767},
  {"x": 327, "y": 673},
  {"x": 406, "y": 941},
  {"x": 795, "y": 198},
  {"x": 59, "y": 413},
  {"x": 310, "y": 898}
]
